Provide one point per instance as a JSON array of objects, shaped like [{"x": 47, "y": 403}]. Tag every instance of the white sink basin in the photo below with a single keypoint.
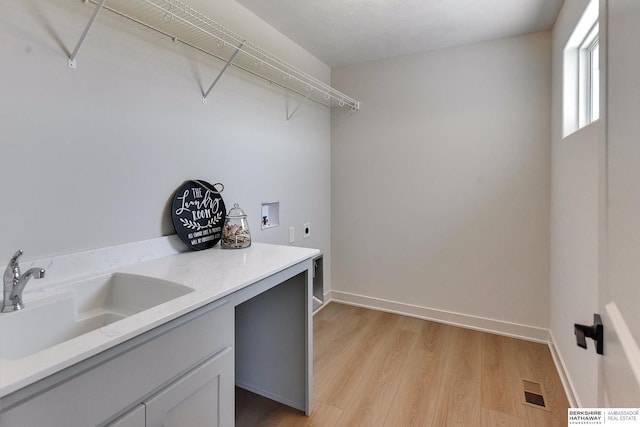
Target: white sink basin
[{"x": 79, "y": 308}]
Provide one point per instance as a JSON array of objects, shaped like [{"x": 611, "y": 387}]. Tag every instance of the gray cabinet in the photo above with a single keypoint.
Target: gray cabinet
[
  {"x": 200, "y": 398},
  {"x": 170, "y": 369},
  {"x": 184, "y": 372}
]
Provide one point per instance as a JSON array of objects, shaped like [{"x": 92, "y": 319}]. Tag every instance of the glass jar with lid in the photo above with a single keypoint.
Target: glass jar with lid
[{"x": 235, "y": 232}]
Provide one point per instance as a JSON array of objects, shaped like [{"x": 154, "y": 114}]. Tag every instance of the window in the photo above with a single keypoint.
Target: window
[
  {"x": 589, "y": 75},
  {"x": 581, "y": 73}
]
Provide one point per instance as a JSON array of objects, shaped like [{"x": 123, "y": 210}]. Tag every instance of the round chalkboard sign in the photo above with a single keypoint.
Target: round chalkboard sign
[{"x": 198, "y": 213}]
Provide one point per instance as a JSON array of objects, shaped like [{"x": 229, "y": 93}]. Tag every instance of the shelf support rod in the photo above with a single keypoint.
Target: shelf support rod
[
  {"x": 206, "y": 94},
  {"x": 295, "y": 110},
  {"x": 92, "y": 20}
]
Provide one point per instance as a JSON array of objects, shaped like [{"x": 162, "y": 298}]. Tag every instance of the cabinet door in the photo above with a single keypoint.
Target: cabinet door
[
  {"x": 202, "y": 398},
  {"x": 133, "y": 418}
]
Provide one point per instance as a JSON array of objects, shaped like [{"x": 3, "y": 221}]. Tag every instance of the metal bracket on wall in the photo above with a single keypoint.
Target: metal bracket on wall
[
  {"x": 295, "y": 110},
  {"x": 229, "y": 62},
  {"x": 92, "y": 20}
]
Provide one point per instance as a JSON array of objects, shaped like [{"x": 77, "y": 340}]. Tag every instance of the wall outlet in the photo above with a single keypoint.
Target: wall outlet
[
  {"x": 292, "y": 234},
  {"x": 307, "y": 230}
]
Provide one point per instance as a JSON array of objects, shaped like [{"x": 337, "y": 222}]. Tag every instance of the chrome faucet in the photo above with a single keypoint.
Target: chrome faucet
[{"x": 14, "y": 283}]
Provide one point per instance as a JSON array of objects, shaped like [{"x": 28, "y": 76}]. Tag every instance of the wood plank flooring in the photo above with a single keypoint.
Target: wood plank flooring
[{"x": 379, "y": 369}]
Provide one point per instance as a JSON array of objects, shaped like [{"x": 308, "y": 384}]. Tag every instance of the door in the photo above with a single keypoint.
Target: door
[
  {"x": 202, "y": 398},
  {"x": 619, "y": 378}
]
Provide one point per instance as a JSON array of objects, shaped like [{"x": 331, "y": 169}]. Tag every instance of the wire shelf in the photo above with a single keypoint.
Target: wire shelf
[{"x": 182, "y": 23}]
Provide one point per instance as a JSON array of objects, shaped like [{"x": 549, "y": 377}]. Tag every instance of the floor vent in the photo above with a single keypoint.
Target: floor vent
[
  {"x": 533, "y": 394},
  {"x": 534, "y": 398}
]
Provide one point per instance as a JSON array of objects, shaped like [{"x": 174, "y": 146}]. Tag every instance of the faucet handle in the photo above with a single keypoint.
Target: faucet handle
[
  {"x": 12, "y": 272},
  {"x": 14, "y": 259}
]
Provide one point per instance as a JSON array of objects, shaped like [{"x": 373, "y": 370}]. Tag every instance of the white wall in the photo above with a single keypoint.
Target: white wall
[
  {"x": 91, "y": 156},
  {"x": 440, "y": 183},
  {"x": 575, "y": 205}
]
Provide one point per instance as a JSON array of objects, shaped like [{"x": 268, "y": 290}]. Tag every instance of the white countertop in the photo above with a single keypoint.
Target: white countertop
[{"x": 213, "y": 274}]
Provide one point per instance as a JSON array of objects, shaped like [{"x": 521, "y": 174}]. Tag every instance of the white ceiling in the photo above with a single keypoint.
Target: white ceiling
[{"x": 341, "y": 32}]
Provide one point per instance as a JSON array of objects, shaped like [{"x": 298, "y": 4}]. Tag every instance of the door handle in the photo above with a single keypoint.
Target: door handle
[{"x": 595, "y": 332}]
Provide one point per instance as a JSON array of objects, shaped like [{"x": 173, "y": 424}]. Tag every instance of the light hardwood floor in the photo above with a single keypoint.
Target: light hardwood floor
[{"x": 378, "y": 369}]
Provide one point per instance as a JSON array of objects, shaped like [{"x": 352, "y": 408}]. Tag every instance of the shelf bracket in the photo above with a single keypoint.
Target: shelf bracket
[
  {"x": 295, "y": 110},
  {"x": 206, "y": 94},
  {"x": 92, "y": 20}
]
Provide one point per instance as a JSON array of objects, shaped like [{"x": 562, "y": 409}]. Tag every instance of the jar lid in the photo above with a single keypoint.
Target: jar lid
[{"x": 236, "y": 212}]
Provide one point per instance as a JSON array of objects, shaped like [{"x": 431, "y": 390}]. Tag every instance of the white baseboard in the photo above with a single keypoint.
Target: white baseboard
[
  {"x": 515, "y": 330},
  {"x": 563, "y": 373}
]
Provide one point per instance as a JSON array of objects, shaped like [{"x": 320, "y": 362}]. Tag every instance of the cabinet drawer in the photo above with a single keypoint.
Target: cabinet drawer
[{"x": 106, "y": 385}]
